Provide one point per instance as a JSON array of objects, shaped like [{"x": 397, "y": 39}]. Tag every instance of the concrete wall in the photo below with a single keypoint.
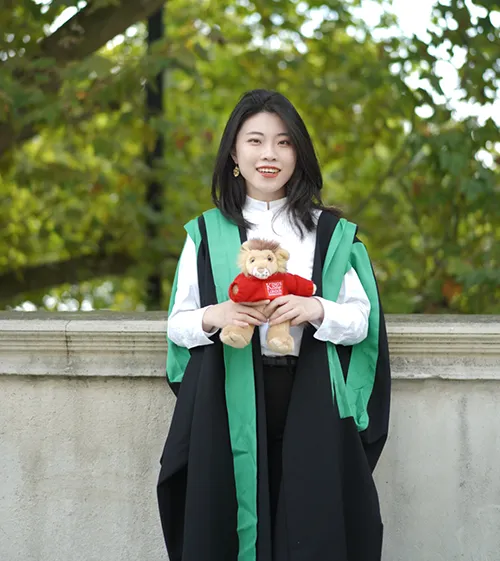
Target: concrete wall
[{"x": 84, "y": 410}]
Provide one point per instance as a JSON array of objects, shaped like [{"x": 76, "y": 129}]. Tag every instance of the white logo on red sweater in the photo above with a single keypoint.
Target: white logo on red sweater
[{"x": 274, "y": 288}]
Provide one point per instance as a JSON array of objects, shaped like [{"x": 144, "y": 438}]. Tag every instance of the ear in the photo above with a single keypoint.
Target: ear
[
  {"x": 283, "y": 254},
  {"x": 233, "y": 155},
  {"x": 242, "y": 257}
]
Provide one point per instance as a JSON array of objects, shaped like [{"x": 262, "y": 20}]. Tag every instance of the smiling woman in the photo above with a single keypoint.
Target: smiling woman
[
  {"x": 265, "y": 156},
  {"x": 265, "y": 134},
  {"x": 269, "y": 455}
]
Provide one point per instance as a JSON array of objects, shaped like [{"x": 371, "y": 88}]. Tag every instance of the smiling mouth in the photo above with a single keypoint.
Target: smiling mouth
[{"x": 268, "y": 171}]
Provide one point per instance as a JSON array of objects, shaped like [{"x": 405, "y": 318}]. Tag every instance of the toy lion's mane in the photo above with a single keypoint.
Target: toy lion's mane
[
  {"x": 263, "y": 245},
  {"x": 260, "y": 245}
]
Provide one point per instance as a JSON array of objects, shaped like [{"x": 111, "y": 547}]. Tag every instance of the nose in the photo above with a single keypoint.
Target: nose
[{"x": 268, "y": 152}]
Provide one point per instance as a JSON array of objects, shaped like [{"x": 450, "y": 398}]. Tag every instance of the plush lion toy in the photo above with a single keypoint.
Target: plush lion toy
[{"x": 263, "y": 277}]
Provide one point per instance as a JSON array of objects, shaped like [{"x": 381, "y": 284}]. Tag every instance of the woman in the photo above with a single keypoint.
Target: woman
[{"x": 270, "y": 458}]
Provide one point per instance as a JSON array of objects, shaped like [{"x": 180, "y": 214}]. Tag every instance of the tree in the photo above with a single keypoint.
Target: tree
[
  {"x": 31, "y": 56},
  {"x": 76, "y": 190}
]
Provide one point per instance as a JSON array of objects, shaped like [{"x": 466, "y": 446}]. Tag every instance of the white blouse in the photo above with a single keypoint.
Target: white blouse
[{"x": 345, "y": 321}]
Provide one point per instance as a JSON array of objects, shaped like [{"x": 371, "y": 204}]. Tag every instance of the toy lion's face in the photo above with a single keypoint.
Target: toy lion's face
[{"x": 262, "y": 258}]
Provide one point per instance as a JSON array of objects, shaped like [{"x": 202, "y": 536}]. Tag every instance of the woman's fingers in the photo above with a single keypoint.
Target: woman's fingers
[
  {"x": 252, "y": 312},
  {"x": 288, "y": 316},
  {"x": 249, "y": 319},
  {"x": 259, "y": 303},
  {"x": 256, "y": 309},
  {"x": 280, "y": 311},
  {"x": 275, "y": 304},
  {"x": 285, "y": 308}
]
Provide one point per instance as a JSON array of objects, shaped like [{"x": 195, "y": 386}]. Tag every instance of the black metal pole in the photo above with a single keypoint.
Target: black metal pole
[{"x": 154, "y": 107}]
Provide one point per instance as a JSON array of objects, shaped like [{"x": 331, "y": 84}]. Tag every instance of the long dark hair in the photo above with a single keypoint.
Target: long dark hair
[{"x": 303, "y": 189}]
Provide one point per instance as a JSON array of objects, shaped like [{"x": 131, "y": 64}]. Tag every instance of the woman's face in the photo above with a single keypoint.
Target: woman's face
[{"x": 265, "y": 156}]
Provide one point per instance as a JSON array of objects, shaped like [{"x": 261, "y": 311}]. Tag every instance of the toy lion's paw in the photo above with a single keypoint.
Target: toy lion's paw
[
  {"x": 283, "y": 344},
  {"x": 237, "y": 337}
]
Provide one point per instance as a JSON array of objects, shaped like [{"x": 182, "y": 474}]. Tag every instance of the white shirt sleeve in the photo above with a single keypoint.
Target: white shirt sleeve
[
  {"x": 345, "y": 321},
  {"x": 184, "y": 326}
]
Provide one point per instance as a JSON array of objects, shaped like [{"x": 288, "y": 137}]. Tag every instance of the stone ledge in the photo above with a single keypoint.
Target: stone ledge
[{"x": 124, "y": 345}]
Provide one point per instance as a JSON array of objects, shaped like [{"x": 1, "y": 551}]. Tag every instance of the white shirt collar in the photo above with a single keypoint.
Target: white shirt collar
[{"x": 256, "y": 205}]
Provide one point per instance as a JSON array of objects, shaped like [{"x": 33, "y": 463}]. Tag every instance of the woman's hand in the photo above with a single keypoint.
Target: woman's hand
[
  {"x": 296, "y": 309},
  {"x": 232, "y": 313}
]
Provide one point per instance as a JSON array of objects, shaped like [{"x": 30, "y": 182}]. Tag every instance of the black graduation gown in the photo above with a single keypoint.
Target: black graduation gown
[{"x": 328, "y": 508}]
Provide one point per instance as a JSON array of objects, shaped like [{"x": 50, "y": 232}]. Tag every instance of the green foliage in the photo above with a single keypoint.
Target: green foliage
[{"x": 421, "y": 189}]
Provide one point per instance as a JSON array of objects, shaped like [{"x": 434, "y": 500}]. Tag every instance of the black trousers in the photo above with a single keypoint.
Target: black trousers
[{"x": 278, "y": 383}]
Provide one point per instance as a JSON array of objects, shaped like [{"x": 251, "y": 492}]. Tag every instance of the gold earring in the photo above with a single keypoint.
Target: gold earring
[{"x": 236, "y": 171}]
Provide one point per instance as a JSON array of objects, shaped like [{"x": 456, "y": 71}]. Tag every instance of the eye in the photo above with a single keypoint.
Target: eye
[
  {"x": 285, "y": 142},
  {"x": 253, "y": 140},
  {"x": 252, "y": 259},
  {"x": 269, "y": 258}
]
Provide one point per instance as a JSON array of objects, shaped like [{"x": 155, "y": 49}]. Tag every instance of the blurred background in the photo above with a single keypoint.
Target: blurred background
[{"x": 111, "y": 112}]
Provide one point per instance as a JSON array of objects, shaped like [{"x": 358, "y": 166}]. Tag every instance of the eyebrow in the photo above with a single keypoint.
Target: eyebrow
[{"x": 262, "y": 134}]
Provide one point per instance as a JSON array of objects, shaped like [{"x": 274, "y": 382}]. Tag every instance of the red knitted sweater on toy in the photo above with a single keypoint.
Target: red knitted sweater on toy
[{"x": 252, "y": 289}]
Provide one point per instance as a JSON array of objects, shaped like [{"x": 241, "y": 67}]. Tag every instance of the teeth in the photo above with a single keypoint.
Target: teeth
[{"x": 269, "y": 170}]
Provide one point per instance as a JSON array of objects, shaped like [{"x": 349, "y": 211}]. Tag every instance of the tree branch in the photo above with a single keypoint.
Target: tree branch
[
  {"x": 91, "y": 28},
  {"x": 86, "y": 32}
]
